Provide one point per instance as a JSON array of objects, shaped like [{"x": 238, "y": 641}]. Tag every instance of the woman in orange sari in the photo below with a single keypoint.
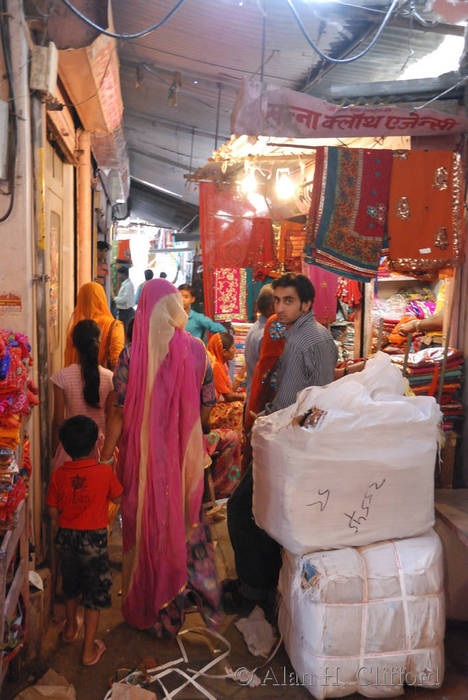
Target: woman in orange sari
[
  {"x": 92, "y": 303},
  {"x": 230, "y": 404}
]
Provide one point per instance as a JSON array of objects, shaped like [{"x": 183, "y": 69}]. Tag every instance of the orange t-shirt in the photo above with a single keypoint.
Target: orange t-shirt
[{"x": 81, "y": 490}]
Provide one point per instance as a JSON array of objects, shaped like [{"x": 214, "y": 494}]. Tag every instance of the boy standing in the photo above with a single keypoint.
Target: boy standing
[
  {"x": 78, "y": 497},
  {"x": 197, "y": 323}
]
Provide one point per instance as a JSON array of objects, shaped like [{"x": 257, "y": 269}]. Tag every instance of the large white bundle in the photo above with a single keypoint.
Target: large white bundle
[
  {"x": 365, "y": 619},
  {"x": 364, "y": 473}
]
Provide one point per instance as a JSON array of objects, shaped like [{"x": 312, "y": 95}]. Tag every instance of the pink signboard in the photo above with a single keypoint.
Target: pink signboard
[{"x": 279, "y": 111}]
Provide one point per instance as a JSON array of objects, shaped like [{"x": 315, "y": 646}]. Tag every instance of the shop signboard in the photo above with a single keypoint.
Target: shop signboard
[{"x": 270, "y": 110}]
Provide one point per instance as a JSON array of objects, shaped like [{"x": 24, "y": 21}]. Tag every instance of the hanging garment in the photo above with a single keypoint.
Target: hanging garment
[
  {"x": 124, "y": 255},
  {"x": 291, "y": 245},
  {"x": 348, "y": 210},
  {"x": 348, "y": 291},
  {"x": 326, "y": 287},
  {"x": 230, "y": 294},
  {"x": 425, "y": 217},
  {"x": 231, "y": 235}
]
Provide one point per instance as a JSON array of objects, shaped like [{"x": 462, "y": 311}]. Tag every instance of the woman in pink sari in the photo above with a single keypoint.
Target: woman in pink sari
[{"x": 165, "y": 386}]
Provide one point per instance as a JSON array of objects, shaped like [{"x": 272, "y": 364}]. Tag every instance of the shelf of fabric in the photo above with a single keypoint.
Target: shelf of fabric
[
  {"x": 19, "y": 586},
  {"x": 240, "y": 329},
  {"x": 396, "y": 278}
]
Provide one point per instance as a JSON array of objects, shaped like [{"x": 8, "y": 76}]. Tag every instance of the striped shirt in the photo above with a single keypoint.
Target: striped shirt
[{"x": 308, "y": 359}]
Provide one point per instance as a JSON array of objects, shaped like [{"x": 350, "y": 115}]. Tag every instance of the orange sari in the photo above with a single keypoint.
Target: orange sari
[{"x": 92, "y": 303}]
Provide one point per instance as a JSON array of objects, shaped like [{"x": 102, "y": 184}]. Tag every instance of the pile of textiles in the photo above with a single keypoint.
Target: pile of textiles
[
  {"x": 348, "y": 211},
  {"x": 388, "y": 328},
  {"x": 424, "y": 375},
  {"x": 404, "y": 306},
  {"x": 17, "y": 396}
]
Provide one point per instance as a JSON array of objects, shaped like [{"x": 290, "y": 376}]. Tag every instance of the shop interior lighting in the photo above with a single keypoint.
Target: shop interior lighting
[
  {"x": 284, "y": 184},
  {"x": 249, "y": 183}
]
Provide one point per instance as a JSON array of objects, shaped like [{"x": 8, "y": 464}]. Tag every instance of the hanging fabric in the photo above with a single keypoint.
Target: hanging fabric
[
  {"x": 326, "y": 287},
  {"x": 230, "y": 294},
  {"x": 348, "y": 210},
  {"x": 292, "y": 245},
  {"x": 425, "y": 218},
  {"x": 232, "y": 235}
]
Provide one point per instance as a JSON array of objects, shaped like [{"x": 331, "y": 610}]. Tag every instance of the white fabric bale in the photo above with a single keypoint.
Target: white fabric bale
[
  {"x": 365, "y": 619},
  {"x": 364, "y": 473}
]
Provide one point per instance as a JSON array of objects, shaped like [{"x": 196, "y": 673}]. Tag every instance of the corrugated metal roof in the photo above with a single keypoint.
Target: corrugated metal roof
[{"x": 214, "y": 43}]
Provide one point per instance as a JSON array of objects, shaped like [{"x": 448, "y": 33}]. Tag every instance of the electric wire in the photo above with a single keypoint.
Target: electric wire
[
  {"x": 362, "y": 53},
  {"x": 7, "y": 59},
  {"x": 115, "y": 35}
]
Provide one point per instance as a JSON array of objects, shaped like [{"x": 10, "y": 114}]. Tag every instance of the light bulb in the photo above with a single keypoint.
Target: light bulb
[
  {"x": 284, "y": 184},
  {"x": 249, "y": 183}
]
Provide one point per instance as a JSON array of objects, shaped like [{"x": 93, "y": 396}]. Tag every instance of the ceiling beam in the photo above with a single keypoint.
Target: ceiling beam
[{"x": 189, "y": 128}]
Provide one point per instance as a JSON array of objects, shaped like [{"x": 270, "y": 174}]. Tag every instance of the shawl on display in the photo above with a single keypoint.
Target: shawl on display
[
  {"x": 92, "y": 303},
  {"x": 425, "y": 217},
  {"x": 232, "y": 236},
  {"x": 348, "y": 210},
  {"x": 230, "y": 294},
  {"x": 326, "y": 287},
  {"x": 162, "y": 453}
]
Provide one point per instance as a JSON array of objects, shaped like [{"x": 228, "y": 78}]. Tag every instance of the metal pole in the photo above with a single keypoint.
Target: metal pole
[
  {"x": 444, "y": 365},
  {"x": 191, "y": 150},
  {"x": 263, "y": 47},
  {"x": 218, "y": 110}
]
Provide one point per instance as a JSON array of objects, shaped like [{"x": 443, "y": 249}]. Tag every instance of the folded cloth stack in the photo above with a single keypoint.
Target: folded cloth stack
[
  {"x": 424, "y": 375},
  {"x": 17, "y": 396}
]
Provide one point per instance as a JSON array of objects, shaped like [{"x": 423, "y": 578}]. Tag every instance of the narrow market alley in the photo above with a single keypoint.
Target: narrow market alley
[{"x": 233, "y": 349}]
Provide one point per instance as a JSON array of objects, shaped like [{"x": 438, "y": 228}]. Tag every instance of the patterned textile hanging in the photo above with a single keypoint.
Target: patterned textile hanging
[
  {"x": 232, "y": 236},
  {"x": 348, "y": 210},
  {"x": 230, "y": 294},
  {"x": 425, "y": 217}
]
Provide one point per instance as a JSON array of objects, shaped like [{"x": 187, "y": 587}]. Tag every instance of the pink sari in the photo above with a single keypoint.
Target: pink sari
[{"x": 162, "y": 454}]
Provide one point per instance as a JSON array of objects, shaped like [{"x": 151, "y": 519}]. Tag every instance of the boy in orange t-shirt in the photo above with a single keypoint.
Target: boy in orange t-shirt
[{"x": 78, "y": 498}]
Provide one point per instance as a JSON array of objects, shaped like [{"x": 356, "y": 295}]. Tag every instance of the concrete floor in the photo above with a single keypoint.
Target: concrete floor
[{"x": 127, "y": 648}]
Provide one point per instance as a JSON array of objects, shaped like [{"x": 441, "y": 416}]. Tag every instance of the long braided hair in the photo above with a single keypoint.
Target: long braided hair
[{"x": 86, "y": 336}]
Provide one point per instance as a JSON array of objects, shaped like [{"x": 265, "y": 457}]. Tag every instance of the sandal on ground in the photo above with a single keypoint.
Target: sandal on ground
[
  {"x": 234, "y": 602},
  {"x": 69, "y": 640},
  {"x": 100, "y": 649}
]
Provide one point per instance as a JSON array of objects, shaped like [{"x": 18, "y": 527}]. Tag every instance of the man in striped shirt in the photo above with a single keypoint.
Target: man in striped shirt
[
  {"x": 310, "y": 353},
  {"x": 308, "y": 359}
]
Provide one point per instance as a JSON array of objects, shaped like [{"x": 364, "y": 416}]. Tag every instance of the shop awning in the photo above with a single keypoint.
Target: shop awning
[{"x": 159, "y": 208}]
